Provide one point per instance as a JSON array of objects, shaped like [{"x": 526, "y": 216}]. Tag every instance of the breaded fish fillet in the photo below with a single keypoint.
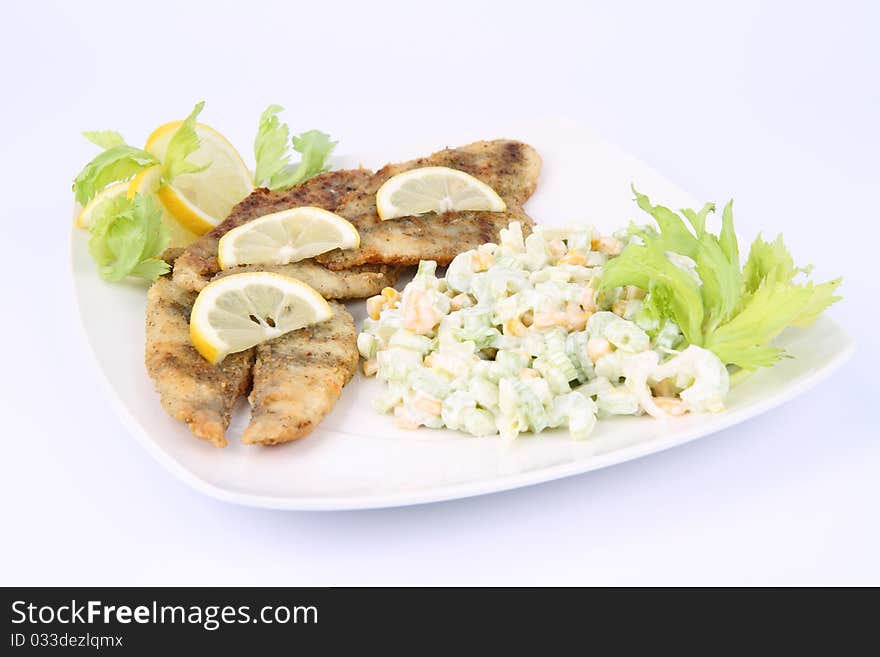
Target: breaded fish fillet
[
  {"x": 191, "y": 389},
  {"x": 194, "y": 268},
  {"x": 511, "y": 168},
  {"x": 203, "y": 395},
  {"x": 355, "y": 283},
  {"x": 298, "y": 378}
]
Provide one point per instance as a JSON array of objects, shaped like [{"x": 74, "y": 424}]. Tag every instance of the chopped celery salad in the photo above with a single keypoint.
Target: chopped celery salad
[{"x": 564, "y": 327}]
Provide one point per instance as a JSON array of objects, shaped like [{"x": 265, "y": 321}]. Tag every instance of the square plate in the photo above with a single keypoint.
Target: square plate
[{"x": 357, "y": 459}]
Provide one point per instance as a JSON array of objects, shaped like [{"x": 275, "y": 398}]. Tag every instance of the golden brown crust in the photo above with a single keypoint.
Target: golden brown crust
[
  {"x": 298, "y": 377},
  {"x": 355, "y": 283},
  {"x": 171, "y": 254},
  {"x": 191, "y": 389},
  {"x": 195, "y": 267},
  {"x": 438, "y": 237},
  {"x": 511, "y": 168}
]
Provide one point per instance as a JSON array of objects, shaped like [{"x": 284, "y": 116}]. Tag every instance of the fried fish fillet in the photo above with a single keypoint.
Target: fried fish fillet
[
  {"x": 191, "y": 389},
  {"x": 203, "y": 395},
  {"x": 298, "y": 377},
  {"x": 511, "y": 168},
  {"x": 355, "y": 283},
  {"x": 194, "y": 268}
]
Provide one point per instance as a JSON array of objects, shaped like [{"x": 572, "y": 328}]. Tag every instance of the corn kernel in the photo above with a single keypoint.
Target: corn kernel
[
  {"x": 671, "y": 405},
  {"x": 391, "y": 297},
  {"x": 481, "y": 261},
  {"x": 573, "y": 258},
  {"x": 610, "y": 246},
  {"x": 375, "y": 305},
  {"x": 457, "y": 302},
  {"x": 546, "y": 320}
]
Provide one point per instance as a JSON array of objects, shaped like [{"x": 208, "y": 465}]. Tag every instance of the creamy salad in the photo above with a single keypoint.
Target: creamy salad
[{"x": 518, "y": 337}]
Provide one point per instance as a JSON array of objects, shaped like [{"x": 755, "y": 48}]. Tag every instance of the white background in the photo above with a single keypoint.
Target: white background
[{"x": 773, "y": 103}]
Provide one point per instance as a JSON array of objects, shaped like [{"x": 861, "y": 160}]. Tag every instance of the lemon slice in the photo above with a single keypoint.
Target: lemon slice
[
  {"x": 146, "y": 183},
  {"x": 239, "y": 311},
  {"x": 435, "y": 189},
  {"x": 86, "y": 216},
  {"x": 286, "y": 236},
  {"x": 202, "y": 200}
]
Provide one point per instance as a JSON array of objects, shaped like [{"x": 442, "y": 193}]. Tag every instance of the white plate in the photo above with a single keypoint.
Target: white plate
[{"x": 357, "y": 459}]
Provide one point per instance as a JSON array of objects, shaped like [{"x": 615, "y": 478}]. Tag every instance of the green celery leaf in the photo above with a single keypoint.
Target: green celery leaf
[
  {"x": 727, "y": 238},
  {"x": 104, "y": 138},
  {"x": 645, "y": 265},
  {"x": 675, "y": 234},
  {"x": 721, "y": 286},
  {"x": 734, "y": 311},
  {"x": 271, "y": 147},
  {"x": 127, "y": 237},
  {"x": 113, "y": 164},
  {"x": 271, "y": 150},
  {"x": 767, "y": 260},
  {"x": 698, "y": 219},
  {"x": 821, "y": 296},
  {"x": 722, "y": 281},
  {"x": 184, "y": 142},
  {"x": 643, "y": 232},
  {"x": 656, "y": 310},
  {"x": 150, "y": 269},
  {"x": 104, "y": 216},
  {"x": 657, "y": 304},
  {"x": 744, "y": 340},
  {"x": 315, "y": 148}
]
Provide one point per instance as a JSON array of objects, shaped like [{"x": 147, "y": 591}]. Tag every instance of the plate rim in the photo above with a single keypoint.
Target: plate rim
[{"x": 463, "y": 490}]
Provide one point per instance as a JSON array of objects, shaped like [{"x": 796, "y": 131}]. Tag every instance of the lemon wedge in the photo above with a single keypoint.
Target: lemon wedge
[
  {"x": 199, "y": 201},
  {"x": 239, "y": 311},
  {"x": 435, "y": 189},
  {"x": 86, "y": 216},
  {"x": 147, "y": 183},
  {"x": 286, "y": 236}
]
